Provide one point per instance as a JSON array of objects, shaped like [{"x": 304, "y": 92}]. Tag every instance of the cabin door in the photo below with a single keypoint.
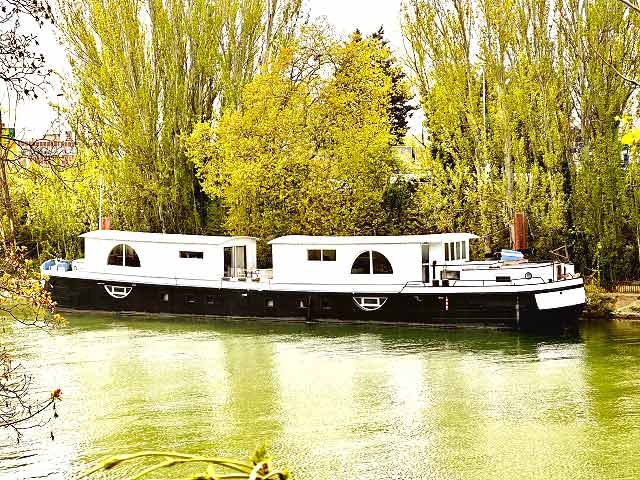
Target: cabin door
[
  {"x": 425, "y": 263},
  {"x": 235, "y": 261}
]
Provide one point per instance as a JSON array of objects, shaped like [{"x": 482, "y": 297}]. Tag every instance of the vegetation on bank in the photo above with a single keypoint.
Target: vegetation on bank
[
  {"x": 244, "y": 117},
  {"x": 599, "y": 303},
  {"x": 23, "y": 300}
]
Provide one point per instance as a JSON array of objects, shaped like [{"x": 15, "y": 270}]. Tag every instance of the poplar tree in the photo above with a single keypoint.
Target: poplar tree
[
  {"x": 521, "y": 100},
  {"x": 144, "y": 71}
]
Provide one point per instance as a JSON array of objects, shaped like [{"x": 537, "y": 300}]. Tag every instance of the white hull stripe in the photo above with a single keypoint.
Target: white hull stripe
[
  {"x": 410, "y": 289},
  {"x": 563, "y": 298}
]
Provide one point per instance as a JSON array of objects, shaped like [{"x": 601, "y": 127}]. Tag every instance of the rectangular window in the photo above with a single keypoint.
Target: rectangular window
[
  {"x": 425, "y": 253},
  {"x": 186, "y": 254},
  {"x": 458, "y": 250},
  {"x": 505, "y": 279},
  {"x": 328, "y": 255},
  {"x": 314, "y": 255},
  {"x": 235, "y": 261},
  {"x": 164, "y": 297},
  {"x": 451, "y": 275},
  {"x": 425, "y": 262},
  {"x": 446, "y": 252},
  {"x": 464, "y": 250}
]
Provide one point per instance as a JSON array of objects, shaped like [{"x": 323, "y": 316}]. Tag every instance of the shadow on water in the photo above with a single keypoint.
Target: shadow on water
[{"x": 396, "y": 339}]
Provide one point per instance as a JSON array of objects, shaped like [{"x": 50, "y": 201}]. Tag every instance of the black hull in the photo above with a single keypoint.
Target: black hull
[{"x": 503, "y": 310}]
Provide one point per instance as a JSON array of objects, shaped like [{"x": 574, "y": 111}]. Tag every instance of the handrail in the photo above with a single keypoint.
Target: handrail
[
  {"x": 498, "y": 265},
  {"x": 510, "y": 283},
  {"x": 493, "y": 282}
]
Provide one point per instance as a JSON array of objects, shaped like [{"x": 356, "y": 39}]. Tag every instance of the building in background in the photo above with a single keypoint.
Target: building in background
[{"x": 57, "y": 147}]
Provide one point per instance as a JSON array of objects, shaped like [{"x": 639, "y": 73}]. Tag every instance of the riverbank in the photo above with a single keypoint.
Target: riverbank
[
  {"x": 625, "y": 305},
  {"x": 603, "y": 304}
]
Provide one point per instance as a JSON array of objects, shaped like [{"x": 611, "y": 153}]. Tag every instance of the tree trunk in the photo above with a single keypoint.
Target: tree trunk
[{"x": 10, "y": 236}]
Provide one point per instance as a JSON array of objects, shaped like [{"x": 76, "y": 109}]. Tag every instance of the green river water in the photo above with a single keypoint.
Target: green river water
[{"x": 336, "y": 402}]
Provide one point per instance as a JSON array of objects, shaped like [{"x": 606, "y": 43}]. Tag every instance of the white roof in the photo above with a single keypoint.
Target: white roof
[
  {"x": 123, "y": 236},
  {"x": 377, "y": 240}
]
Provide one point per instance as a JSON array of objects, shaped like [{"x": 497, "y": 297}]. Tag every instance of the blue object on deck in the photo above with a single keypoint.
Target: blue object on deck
[
  {"x": 56, "y": 265},
  {"x": 510, "y": 254}
]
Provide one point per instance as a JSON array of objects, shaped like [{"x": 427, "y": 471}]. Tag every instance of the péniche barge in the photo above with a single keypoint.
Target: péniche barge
[{"x": 422, "y": 279}]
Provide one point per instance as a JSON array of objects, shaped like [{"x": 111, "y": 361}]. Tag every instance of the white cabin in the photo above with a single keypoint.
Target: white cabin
[
  {"x": 301, "y": 262},
  {"x": 167, "y": 255},
  {"x": 366, "y": 260}
]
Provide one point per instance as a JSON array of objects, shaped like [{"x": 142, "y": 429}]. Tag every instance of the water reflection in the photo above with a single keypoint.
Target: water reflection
[{"x": 339, "y": 401}]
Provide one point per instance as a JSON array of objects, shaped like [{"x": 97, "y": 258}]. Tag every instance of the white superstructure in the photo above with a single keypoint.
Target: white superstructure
[
  {"x": 167, "y": 255},
  {"x": 342, "y": 259},
  {"x": 415, "y": 263}
]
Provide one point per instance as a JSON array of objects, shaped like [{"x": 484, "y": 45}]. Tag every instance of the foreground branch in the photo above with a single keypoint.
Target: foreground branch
[{"x": 258, "y": 468}]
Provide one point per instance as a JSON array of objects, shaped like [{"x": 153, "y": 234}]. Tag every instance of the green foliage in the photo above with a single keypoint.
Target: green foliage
[
  {"x": 309, "y": 151},
  {"x": 55, "y": 207},
  {"x": 143, "y": 73},
  {"x": 527, "y": 123},
  {"x": 228, "y": 118},
  {"x": 400, "y": 108},
  {"x": 599, "y": 303}
]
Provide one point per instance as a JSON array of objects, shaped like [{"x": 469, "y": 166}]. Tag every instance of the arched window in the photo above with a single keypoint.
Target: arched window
[
  {"x": 123, "y": 256},
  {"x": 362, "y": 264},
  {"x": 371, "y": 262},
  {"x": 380, "y": 263}
]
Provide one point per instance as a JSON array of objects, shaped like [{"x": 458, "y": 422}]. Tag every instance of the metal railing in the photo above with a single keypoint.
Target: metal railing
[{"x": 627, "y": 287}]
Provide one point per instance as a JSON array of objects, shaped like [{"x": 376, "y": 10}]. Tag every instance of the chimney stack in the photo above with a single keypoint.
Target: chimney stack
[{"x": 519, "y": 231}]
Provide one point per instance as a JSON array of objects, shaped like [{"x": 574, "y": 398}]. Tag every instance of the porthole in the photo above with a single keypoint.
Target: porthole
[
  {"x": 191, "y": 299},
  {"x": 370, "y": 304},
  {"x": 117, "y": 291},
  {"x": 528, "y": 275},
  {"x": 269, "y": 303}
]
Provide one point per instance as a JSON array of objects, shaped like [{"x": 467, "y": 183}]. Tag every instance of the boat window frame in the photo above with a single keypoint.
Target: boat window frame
[
  {"x": 370, "y": 268},
  {"x": 321, "y": 254},
  {"x": 361, "y": 256},
  {"x": 127, "y": 257},
  {"x": 314, "y": 255},
  {"x": 335, "y": 255},
  {"x": 191, "y": 255}
]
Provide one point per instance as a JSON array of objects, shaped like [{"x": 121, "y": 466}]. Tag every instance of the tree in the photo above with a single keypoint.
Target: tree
[
  {"x": 309, "y": 149},
  {"x": 520, "y": 107},
  {"x": 23, "y": 299},
  {"x": 400, "y": 108},
  {"x": 143, "y": 74},
  {"x": 23, "y": 74},
  {"x": 603, "y": 41}
]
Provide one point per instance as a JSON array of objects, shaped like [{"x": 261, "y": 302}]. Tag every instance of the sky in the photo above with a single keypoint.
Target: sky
[{"x": 35, "y": 117}]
